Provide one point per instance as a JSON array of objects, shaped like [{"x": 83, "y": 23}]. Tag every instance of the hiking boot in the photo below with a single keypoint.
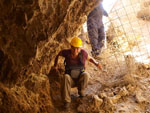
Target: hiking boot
[
  {"x": 66, "y": 105},
  {"x": 95, "y": 53}
]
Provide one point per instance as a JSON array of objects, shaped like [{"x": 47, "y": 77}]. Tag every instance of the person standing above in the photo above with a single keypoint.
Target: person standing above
[
  {"x": 95, "y": 28},
  {"x": 75, "y": 74}
]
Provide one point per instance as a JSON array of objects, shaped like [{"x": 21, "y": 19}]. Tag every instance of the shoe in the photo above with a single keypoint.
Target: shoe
[
  {"x": 95, "y": 53},
  {"x": 66, "y": 105}
]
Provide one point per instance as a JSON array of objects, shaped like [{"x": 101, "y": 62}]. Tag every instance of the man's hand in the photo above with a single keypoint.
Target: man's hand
[
  {"x": 92, "y": 60},
  {"x": 99, "y": 67}
]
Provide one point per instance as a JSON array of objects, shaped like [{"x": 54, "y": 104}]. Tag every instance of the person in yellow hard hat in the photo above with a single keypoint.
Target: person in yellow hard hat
[{"x": 75, "y": 75}]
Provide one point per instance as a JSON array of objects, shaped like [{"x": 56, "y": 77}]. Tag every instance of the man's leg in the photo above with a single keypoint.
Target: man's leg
[
  {"x": 82, "y": 83},
  {"x": 101, "y": 37},
  {"x": 66, "y": 89},
  {"x": 93, "y": 36}
]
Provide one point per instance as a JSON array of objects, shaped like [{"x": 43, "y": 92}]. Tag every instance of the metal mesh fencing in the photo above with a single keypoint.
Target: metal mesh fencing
[{"x": 128, "y": 35}]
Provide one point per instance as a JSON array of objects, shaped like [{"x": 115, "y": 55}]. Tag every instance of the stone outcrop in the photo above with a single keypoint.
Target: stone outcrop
[
  {"x": 33, "y": 97},
  {"x": 106, "y": 100}
]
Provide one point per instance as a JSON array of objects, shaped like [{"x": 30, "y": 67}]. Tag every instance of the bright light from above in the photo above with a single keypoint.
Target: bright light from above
[{"x": 108, "y": 4}]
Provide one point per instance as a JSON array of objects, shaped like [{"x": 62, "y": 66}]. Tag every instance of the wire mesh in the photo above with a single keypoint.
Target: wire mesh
[
  {"x": 127, "y": 30},
  {"x": 126, "y": 13}
]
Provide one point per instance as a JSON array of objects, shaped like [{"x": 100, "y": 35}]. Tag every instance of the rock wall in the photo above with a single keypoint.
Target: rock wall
[
  {"x": 31, "y": 34},
  {"x": 24, "y": 24}
]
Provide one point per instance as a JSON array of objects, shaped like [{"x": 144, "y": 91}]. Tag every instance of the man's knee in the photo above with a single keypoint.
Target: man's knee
[
  {"x": 67, "y": 77},
  {"x": 85, "y": 75}
]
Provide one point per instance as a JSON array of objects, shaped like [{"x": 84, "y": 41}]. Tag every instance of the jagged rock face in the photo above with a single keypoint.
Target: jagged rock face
[
  {"x": 31, "y": 34},
  {"x": 18, "y": 38},
  {"x": 33, "y": 97},
  {"x": 23, "y": 24}
]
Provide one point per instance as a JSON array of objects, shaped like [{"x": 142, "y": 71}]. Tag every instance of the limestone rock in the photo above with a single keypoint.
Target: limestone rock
[
  {"x": 36, "y": 82},
  {"x": 130, "y": 88},
  {"x": 123, "y": 92},
  {"x": 98, "y": 102},
  {"x": 108, "y": 105},
  {"x": 139, "y": 97},
  {"x": 102, "y": 95},
  {"x": 115, "y": 99},
  {"x": 90, "y": 104}
]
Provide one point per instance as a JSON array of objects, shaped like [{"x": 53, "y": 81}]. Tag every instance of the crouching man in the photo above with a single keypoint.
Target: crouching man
[{"x": 75, "y": 75}]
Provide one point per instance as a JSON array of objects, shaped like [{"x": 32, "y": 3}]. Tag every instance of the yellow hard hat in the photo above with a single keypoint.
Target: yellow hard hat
[{"x": 76, "y": 42}]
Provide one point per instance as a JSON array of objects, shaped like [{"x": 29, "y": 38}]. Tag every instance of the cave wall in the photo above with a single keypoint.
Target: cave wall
[
  {"x": 31, "y": 34},
  {"x": 23, "y": 24}
]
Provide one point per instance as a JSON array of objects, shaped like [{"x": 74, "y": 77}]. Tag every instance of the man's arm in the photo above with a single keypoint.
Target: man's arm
[{"x": 92, "y": 60}]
